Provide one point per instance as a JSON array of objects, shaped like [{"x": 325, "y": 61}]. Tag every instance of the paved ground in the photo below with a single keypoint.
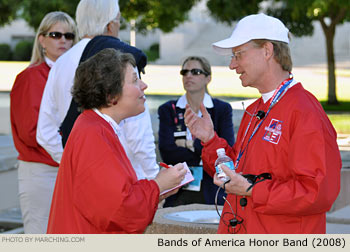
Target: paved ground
[
  {"x": 338, "y": 222},
  {"x": 165, "y": 79}
]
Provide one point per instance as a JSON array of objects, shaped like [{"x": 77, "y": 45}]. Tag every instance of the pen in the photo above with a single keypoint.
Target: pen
[{"x": 163, "y": 165}]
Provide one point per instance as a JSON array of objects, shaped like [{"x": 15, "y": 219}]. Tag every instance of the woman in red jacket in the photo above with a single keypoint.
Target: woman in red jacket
[
  {"x": 97, "y": 190},
  {"x": 37, "y": 170}
]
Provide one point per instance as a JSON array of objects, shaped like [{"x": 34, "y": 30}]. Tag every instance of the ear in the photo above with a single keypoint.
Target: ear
[
  {"x": 209, "y": 79},
  {"x": 113, "y": 101},
  {"x": 268, "y": 46},
  {"x": 41, "y": 39},
  {"x": 109, "y": 31}
]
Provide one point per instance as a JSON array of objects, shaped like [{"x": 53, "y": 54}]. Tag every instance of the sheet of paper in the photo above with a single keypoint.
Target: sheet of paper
[{"x": 188, "y": 178}]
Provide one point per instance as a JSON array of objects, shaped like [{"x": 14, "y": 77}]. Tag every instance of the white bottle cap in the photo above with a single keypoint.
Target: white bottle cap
[{"x": 220, "y": 151}]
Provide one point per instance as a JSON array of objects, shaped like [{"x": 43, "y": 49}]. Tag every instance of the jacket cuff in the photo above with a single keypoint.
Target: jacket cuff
[{"x": 211, "y": 140}]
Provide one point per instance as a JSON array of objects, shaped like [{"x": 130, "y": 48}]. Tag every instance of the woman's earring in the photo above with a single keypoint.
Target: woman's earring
[{"x": 115, "y": 103}]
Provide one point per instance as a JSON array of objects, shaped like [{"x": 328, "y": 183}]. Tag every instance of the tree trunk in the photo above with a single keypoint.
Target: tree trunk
[
  {"x": 329, "y": 32},
  {"x": 332, "y": 92}
]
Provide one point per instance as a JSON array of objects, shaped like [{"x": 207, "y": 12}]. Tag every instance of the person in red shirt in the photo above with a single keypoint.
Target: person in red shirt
[
  {"x": 37, "y": 170},
  {"x": 97, "y": 190},
  {"x": 286, "y": 156}
]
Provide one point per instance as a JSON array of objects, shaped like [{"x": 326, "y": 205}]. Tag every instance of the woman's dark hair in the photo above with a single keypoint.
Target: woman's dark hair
[{"x": 100, "y": 79}]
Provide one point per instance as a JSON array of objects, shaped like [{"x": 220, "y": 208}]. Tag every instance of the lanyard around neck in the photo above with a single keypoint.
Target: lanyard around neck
[{"x": 276, "y": 97}]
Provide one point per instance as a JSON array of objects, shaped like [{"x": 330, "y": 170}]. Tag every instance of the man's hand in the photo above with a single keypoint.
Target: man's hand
[
  {"x": 238, "y": 184},
  {"x": 200, "y": 127}
]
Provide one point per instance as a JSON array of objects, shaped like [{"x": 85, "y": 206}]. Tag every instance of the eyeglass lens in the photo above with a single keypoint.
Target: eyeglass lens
[
  {"x": 236, "y": 55},
  {"x": 58, "y": 35},
  {"x": 193, "y": 71}
]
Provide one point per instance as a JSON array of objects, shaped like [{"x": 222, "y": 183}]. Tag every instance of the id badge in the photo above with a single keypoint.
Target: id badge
[
  {"x": 195, "y": 185},
  {"x": 180, "y": 134}
]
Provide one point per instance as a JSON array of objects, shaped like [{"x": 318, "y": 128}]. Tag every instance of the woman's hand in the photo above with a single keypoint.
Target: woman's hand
[
  {"x": 200, "y": 127},
  {"x": 168, "y": 178},
  {"x": 238, "y": 184}
]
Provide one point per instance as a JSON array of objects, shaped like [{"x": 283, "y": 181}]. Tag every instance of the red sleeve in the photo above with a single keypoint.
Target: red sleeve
[
  {"x": 209, "y": 154},
  {"x": 315, "y": 161},
  {"x": 106, "y": 190},
  {"x": 25, "y": 104}
]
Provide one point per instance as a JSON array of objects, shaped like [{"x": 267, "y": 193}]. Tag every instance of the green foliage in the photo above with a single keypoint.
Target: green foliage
[
  {"x": 343, "y": 106},
  {"x": 5, "y": 52},
  {"x": 23, "y": 50},
  {"x": 153, "y": 52},
  {"x": 297, "y": 15},
  {"x": 8, "y": 11},
  {"x": 35, "y": 10},
  {"x": 154, "y": 47},
  {"x": 151, "y": 14},
  {"x": 295, "y": 18},
  {"x": 229, "y": 11}
]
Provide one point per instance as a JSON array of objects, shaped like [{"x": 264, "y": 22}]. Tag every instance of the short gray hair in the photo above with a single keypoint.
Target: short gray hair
[{"x": 93, "y": 16}]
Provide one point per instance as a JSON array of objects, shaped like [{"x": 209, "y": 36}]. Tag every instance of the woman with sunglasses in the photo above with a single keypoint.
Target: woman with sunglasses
[
  {"x": 37, "y": 170},
  {"x": 176, "y": 144}
]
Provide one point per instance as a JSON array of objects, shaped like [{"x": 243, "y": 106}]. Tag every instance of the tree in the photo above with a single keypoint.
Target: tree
[
  {"x": 149, "y": 14},
  {"x": 33, "y": 11},
  {"x": 8, "y": 11},
  {"x": 329, "y": 13},
  {"x": 297, "y": 16}
]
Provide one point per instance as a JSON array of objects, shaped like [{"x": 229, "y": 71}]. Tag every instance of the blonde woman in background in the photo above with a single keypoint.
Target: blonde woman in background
[
  {"x": 37, "y": 171},
  {"x": 177, "y": 144}
]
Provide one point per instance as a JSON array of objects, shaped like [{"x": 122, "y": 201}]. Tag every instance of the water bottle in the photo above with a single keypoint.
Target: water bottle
[{"x": 223, "y": 159}]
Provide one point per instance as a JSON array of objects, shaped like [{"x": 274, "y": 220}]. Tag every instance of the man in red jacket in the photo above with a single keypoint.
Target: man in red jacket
[{"x": 286, "y": 156}]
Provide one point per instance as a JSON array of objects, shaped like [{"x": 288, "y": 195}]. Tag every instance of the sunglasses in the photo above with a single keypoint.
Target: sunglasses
[
  {"x": 58, "y": 35},
  {"x": 193, "y": 71}
]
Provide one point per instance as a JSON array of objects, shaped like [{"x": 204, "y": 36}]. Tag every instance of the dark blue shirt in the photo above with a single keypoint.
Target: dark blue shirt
[{"x": 221, "y": 115}]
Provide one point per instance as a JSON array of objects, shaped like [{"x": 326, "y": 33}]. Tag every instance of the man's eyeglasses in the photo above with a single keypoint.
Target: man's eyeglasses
[
  {"x": 238, "y": 54},
  {"x": 194, "y": 71},
  {"x": 58, "y": 35}
]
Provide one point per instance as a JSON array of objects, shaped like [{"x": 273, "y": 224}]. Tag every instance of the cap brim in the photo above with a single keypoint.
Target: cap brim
[{"x": 223, "y": 47}]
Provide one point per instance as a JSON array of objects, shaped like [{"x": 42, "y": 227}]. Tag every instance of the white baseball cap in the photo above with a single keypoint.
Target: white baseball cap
[{"x": 258, "y": 26}]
